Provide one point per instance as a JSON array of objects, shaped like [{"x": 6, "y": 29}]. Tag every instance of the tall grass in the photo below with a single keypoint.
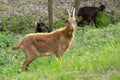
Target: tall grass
[{"x": 94, "y": 55}]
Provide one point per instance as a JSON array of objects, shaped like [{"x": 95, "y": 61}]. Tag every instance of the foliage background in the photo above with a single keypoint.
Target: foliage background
[{"x": 18, "y": 15}]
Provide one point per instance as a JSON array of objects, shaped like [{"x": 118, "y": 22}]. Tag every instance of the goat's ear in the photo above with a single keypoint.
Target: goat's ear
[{"x": 79, "y": 18}]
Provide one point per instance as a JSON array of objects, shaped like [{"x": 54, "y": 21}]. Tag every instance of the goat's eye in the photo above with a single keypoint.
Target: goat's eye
[{"x": 66, "y": 20}]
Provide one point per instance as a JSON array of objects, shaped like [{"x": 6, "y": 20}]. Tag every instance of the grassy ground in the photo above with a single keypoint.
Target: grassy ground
[{"x": 94, "y": 55}]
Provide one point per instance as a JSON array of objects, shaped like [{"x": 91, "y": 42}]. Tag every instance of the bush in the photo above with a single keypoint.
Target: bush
[{"x": 102, "y": 19}]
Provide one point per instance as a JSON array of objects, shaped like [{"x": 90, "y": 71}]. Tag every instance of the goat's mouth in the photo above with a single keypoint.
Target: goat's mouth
[{"x": 72, "y": 28}]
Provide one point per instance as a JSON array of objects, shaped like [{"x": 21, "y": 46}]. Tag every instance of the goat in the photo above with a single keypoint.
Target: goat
[
  {"x": 88, "y": 14},
  {"x": 41, "y": 27},
  {"x": 44, "y": 44}
]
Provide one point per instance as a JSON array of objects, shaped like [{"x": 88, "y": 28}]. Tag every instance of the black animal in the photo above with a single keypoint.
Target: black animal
[
  {"x": 88, "y": 14},
  {"x": 41, "y": 27}
]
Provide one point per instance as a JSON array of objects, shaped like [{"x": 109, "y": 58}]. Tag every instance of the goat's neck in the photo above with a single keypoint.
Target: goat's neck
[{"x": 68, "y": 33}]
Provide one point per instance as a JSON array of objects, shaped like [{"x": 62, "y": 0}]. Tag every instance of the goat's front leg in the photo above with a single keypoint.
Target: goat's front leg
[
  {"x": 31, "y": 54},
  {"x": 59, "y": 55},
  {"x": 28, "y": 60}
]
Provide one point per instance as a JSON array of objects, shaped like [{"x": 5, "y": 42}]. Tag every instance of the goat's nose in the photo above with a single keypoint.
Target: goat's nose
[{"x": 71, "y": 28}]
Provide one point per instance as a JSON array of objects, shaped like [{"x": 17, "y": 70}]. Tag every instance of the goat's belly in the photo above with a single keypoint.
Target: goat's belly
[
  {"x": 46, "y": 54},
  {"x": 46, "y": 51}
]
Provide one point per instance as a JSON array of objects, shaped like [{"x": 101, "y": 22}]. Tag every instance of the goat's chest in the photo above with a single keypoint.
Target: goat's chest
[{"x": 64, "y": 43}]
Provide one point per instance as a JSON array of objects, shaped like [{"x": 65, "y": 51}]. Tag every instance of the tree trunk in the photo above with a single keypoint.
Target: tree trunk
[
  {"x": 76, "y": 6},
  {"x": 50, "y": 14}
]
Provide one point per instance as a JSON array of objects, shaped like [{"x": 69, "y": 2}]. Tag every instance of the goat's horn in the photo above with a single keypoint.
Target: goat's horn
[
  {"x": 71, "y": 10},
  {"x": 68, "y": 13},
  {"x": 74, "y": 13}
]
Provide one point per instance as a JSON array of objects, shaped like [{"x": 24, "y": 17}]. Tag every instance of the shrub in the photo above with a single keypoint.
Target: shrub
[{"x": 102, "y": 19}]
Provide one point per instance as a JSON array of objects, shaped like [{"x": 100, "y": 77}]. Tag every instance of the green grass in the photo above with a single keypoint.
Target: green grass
[{"x": 94, "y": 55}]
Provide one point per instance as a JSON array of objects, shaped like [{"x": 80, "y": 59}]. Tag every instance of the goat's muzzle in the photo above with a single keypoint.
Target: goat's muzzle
[{"x": 72, "y": 28}]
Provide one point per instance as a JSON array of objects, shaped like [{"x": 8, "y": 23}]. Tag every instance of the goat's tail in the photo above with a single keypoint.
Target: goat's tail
[{"x": 16, "y": 47}]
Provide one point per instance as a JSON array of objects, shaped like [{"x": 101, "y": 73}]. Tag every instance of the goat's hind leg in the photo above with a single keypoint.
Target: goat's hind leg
[
  {"x": 31, "y": 54},
  {"x": 28, "y": 60},
  {"x": 34, "y": 50}
]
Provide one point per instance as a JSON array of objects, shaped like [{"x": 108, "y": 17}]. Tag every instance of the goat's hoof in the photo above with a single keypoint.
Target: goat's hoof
[{"x": 25, "y": 69}]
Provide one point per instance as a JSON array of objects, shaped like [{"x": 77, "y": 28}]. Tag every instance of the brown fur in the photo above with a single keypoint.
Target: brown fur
[{"x": 43, "y": 44}]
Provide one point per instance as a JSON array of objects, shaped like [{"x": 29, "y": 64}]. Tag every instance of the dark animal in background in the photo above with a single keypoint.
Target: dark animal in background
[
  {"x": 88, "y": 14},
  {"x": 41, "y": 27}
]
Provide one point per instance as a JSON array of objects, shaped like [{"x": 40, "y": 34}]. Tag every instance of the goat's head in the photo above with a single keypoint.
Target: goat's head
[{"x": 71, "y": 22}]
